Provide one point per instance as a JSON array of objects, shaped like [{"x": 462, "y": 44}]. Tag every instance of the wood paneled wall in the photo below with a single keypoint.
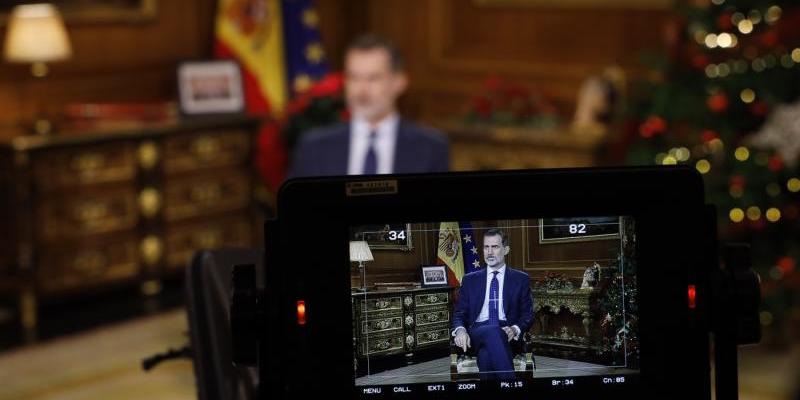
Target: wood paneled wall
[
  {"x": 527, "y": 254},
  {"x": 113, "y": 62},
  {"x": 452, "y": 46}
]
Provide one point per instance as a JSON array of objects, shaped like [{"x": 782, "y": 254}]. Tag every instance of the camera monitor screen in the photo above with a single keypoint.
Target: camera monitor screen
[{"x": 508, "y": 304}]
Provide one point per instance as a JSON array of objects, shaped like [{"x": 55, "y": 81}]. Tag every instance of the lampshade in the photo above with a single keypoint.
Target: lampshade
[
  {"x": 359, "y": 251},
  {"x": 36, "y": 33}
]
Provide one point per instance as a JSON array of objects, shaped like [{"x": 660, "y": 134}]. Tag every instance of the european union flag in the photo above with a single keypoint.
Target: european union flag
[
  {"x": 305, "y": 58},
  {"x": 472, "y": 249}
]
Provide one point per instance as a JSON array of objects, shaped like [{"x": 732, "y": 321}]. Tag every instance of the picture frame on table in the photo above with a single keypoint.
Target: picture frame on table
[
  {"x": 211, "y": 87},
  {"x": 433, "y": 276}
]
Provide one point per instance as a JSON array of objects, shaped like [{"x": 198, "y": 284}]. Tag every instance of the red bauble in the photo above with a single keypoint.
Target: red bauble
[
  {"x": 786, "y": 265},
  {"x": 700, "y": 61},
  {"x": 708, "y": 135},
  {"x": 653, "y": 125},
  {"x": 737, "y": 180},
  {"x": 770, "y": 39},
  {"x": 724, "y": 21},
  {"x": 759, "y": 109},
  {"x": 717, "y": 102},
  {"x": 775, "y": 163}
]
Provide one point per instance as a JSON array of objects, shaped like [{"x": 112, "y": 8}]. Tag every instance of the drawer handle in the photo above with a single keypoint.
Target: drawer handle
[
  {"x": 382, "y": 324},
  {"x": 90, "y": 263},
  {"x": 88, "y": 162},
  {"x": 382, "y": 304},
  {"x": 151, "y": 249},
  {"x": 432, "y": 335},
  {"x": 207, "y": 193},
  {"x": 431, "y": 317},
  {"x": 91, "y": 211},
  {"x": 149, "y": 202},
  {"x": 383, "y": 345},
  {"x": 205, "y": 147},
  {"x": 208, "y": 239},
  {"x": 148, "y": 155}
]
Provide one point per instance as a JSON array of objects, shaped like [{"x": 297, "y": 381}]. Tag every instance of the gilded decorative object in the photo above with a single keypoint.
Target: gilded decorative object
[
  {"x": 150, "y": 287},
  {"x": 207, "y": 239},
  {"x": 206, "y": 147},
  {"x": 148, "y": 155},
  {"x": 90, "y": 263},
  {"x": 149, "y": 202},
  {"x": 576, "y": 302},
  {"x": 433, "y": 317},
  {"x": 207, "y": 193},
  {"x": 397, "y": 316},
  {"x": 90, "y": 211},
  {"x": 382, "y": 304},
  {"x": 382, "y": 325},
  {"x": 433, "y": 336},
  {"x": 431, "y": 299},
  {"x": 151, "y": 249},
  {"x": 87, "y": 164}
]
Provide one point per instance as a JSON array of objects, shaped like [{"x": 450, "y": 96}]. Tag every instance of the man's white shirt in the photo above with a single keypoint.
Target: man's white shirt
[
  {"x": 484, "y": 314},
  {"x": 385, "y": 143}
]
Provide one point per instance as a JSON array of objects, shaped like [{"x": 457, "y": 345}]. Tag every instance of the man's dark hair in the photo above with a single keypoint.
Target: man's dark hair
[
  {"x": 371, "y": 42},
  {"x": 497, "y": 232}
]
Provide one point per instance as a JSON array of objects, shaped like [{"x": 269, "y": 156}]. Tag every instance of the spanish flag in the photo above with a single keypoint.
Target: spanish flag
[{"x": 458, "y": 250}]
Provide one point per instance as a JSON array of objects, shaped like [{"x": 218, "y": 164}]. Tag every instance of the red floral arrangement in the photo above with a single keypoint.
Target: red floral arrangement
[{"x": 505, "y": 103}]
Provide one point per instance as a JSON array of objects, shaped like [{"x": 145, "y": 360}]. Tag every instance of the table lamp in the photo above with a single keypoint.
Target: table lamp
[
  {"x": 36, "y": 35},
  {"x": 359, "y": 251}
]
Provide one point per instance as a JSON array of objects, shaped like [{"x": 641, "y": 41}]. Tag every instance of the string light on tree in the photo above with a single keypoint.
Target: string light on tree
[
  {"x": 773, "y": 214},
  {"x": 793, "y": 185},
  {"x": 753, "y": 213},
  {"x": 745, "y": 26},
  {"x": 736, "y": 215},
  {"x": 747, "y": 95},
  {"x": 703, "y": 166},
  {"x": 773, "y": 15},
  {"x": 741, "y": 153}
]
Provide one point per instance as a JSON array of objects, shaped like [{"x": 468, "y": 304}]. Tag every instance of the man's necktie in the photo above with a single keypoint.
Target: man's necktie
[
  {"x": 494, "y": 300},
  {"x": 371, "y": 160}
]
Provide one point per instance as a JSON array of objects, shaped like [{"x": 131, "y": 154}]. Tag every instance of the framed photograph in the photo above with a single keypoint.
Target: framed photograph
[
  {"x": 559, "y": 230},
  {"x": 384, "y": 236},
  {"x": 210, "y": 87},
  {"x": 434, "y": 275}
]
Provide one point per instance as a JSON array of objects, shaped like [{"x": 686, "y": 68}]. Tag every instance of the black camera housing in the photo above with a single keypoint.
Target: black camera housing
[{"x": 676, "y": 247}]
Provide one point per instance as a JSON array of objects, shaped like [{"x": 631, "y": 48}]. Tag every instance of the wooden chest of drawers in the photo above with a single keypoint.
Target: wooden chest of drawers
[
  {"x": 395, "y": 322},
  {"x": 87, "y": 209}
]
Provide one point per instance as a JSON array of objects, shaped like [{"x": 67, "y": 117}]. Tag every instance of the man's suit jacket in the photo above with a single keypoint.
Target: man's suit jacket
[
  {"x": 324, "y": 152},
  {"x": 517, "y": 301}
]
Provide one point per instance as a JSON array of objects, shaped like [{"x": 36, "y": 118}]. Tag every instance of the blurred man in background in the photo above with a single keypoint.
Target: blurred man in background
[{"x": 377, "y": 140}]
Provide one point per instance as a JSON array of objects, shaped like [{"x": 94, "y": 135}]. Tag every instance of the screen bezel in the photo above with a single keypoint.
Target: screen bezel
[{"x": 668, "y": 331}]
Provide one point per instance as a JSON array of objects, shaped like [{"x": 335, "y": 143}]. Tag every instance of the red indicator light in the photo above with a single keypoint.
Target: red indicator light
[
  {"x": 692, "y": 297},
  {"x": 301, "y": 312}
]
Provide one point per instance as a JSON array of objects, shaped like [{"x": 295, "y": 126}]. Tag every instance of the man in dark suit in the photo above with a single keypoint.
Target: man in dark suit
[
  {"x": 376, "y": 140},
  {"x": 494, "y": 307}
]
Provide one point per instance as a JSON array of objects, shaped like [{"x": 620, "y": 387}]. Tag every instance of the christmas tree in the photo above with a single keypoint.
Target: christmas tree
[{"x": 725, "y": 98}]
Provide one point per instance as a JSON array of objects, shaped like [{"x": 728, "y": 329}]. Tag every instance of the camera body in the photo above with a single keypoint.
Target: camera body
[{"x": 301, "y": 327}]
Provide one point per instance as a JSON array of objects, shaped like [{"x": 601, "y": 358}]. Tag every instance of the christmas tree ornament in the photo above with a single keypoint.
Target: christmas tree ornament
[{"x": 717, "y": 102}]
